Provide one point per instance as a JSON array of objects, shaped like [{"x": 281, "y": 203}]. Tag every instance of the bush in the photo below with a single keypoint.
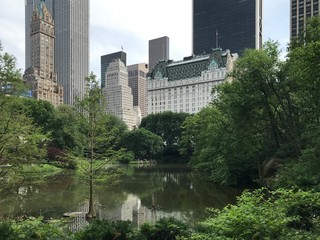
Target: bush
[
  {"x": 33, "y": 229},
  {"x": 6, "y": 231},
  {"x": 106, "y": 230},
  {"x": 126, "y": 157},
  {"x": 165, "y": 229},
  {"x": 281, "y": 214}
]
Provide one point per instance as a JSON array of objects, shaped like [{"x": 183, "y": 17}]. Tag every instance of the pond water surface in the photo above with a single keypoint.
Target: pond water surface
[{"x": 144, "y": 193}]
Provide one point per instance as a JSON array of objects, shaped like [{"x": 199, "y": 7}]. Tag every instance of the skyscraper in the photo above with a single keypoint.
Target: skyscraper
[
  {"x": 72, "y": 44},
  {"x": 138, "y": 82},
  {"x": 118, "y": 94},
  {"x": 107, "y": 59},
  {"x": 41, "y": 74},
  {"x": 226, "y": 24},
  {"x": 158, "y": 50},
  {"x": 30, "y": 5},
  {"x": 299, "y": 12}
]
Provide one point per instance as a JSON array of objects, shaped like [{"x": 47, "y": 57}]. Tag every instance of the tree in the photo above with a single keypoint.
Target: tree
[
  {"x": 68, "y": 130},
  {"x": 110, "y": 133},
  {"x": 166, "y": 125},
  {"x": 92, "y": 111},
  {"x": 143, "y": 143},
  {"x": 251, "y": 122},
  {"x": 20, "y": 141},
  {"x": 92, "y": 108}
]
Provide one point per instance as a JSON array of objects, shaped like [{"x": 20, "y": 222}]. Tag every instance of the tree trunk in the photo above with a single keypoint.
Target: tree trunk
[{"x": 91, "y": 213}]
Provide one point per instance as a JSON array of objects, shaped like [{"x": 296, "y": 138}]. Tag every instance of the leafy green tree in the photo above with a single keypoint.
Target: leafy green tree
[
  {"x": 143, "y": 143},
  {"x": 251, "y": 122},
  {"x": 304, "y": 84},
  {"x": 109, "y": 134},
  {"x": 166, "y": 125},
  {"x": 92, "y": 111},
  {"x": 41, "y": 112},
  {"x": 20, "y": 141},
  {"x": 68, "y": 130},
  {"x": 92, "y": 108}
]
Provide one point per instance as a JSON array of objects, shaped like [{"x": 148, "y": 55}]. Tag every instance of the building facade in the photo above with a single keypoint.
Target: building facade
[
  {"x": 41, "y": 74},
  {"x": 186, "y": 86},
  {"x": 106, "y": 60},
  {"x": 231, "y": 24},
  {"x": 300, "y": 11},
  {"x": 158, "y": 51},
  {"x": 118, "y": 94},
  {"x": 138, "y": 82},
  {"x": 72, "y": 44}
]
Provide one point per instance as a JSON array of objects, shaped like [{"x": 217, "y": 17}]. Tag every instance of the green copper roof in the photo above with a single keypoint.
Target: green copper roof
[{"x": 190, "y": 66}]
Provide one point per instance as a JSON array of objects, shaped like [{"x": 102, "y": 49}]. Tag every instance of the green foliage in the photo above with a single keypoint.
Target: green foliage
[
  {"x": 68, "y": 130},
  {"x": 41, "y": 112},
  {"x": 20, "y": 140},
  {"x": 124, "y": 157},
  {"x": 106, "y": 230},
  {"x": 6, "y": 231},
  {"x": 281, "y": 214},
  {"x": 33, "y": 229},
  {"x": 167, "y": 126},
  {"x": 110, "y": 133},
  {"x": 165, "y": 229},
  {"x": 143, "y": 143}
]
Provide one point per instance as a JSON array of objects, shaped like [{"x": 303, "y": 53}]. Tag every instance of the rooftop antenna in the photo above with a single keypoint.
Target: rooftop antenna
[{"x": 217, "y": 38}]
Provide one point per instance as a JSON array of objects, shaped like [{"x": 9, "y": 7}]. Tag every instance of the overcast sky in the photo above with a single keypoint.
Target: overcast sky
[{"x": 131, "y": 24}]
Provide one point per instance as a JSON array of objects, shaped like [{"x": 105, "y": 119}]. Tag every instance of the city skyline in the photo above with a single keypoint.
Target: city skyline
[{"x": 110, "y": 31}]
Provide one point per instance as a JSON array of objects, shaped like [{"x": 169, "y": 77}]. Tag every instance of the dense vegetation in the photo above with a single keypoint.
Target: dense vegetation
[{"x": 265, "y": 122}]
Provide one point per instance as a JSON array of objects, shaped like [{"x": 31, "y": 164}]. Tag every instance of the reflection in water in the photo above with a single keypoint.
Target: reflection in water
[
  {"x": 145, "y": 193},
  {"x": 130, "y": 210}
]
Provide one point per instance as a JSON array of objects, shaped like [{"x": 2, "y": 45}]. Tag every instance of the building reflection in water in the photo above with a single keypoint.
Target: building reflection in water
[{"x": 130, "y": 210}]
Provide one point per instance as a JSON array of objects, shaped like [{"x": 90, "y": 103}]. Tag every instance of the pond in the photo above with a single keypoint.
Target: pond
[{"x": 144, "y": 193}]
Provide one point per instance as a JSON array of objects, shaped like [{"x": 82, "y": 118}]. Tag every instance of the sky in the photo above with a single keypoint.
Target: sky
[{"x": 131, "y": 24}]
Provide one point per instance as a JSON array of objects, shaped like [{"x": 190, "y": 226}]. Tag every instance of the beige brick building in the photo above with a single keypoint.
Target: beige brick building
[
  {"x": 41, "y": 75},
  {"x": 138, "y": 83}
]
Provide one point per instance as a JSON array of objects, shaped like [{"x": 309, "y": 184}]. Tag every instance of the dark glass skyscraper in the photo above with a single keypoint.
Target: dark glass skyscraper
[
  {"x": 226, "y": 24},
  {"x": 301, "y": 10}
]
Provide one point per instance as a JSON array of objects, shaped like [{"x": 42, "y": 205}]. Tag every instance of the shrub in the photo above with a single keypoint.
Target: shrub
[
  {"x": 106, "y": 230},
  {"x": 165, "y": 229},
  {"x": 281, "y": 214}
]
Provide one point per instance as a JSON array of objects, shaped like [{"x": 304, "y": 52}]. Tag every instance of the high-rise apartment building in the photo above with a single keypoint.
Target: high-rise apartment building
[
  {"x": 138, "y": 83},
  {"x": 226, "y": 24},
  {"x": 41, "y": 74},
  {"x": 118, "y": 94},
  {"x": 106, "y": 60},
  {"x": 71, "y": 20},
  {"x": 158, "y": 51},
  {"x": 300, "y": 11}
]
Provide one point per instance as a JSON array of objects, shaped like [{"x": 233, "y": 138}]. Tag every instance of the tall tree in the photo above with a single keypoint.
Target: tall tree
[
  {"x": 168, "y": 126},
  {"x": 143, "y": 143},
  {"x": 20, "y": 141},
  {"x": 92, "y": 108}
]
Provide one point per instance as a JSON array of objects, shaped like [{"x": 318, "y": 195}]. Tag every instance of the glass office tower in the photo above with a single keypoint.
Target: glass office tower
[
  {"x": 301, "y": 10},
  {"x": 226, "y": 24}
]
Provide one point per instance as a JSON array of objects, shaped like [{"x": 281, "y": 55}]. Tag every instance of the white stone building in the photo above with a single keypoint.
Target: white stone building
[
  {"x": 186, "y": 86},
  {"x": 118, "y": 94}
]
